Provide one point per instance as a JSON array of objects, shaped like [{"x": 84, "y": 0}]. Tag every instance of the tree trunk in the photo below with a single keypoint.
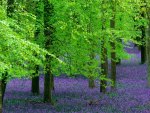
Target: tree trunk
[
  {"x": 143, "y": 54},
  {"x": 91, "y": 82},
  {"x": 148, "y": 45},
  {"x": 10, "y": 10},
  {"x": 1, "y": 93},
  {"x": 35, "y": 82},
  {"x": 113, "y": 65},
  {"x": 48, "y": 32},
  {"x": 104, "y": 69},
  {"x": 104, "y": 59},
  {"x": 148, "y": 54},
  {"x": 91, "y": 77},
  {"x": 47, "y": 79},
  {"x": 113, "y": 50},
  {"x": 143, "y": 47},
  {"x": 35, "y": 85},
  {"x": 3, "y": 84},
  {"x": 52, "y": 83}
]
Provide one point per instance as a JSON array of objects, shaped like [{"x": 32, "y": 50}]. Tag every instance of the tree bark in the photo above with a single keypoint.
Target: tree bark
[
  {"x": 1, "y": 101},
  {"x": 52, "y": 83},
  {"x": 143, "y": 54},
  {"x": 47, "y": 79},
  {"x": 91, "y": 82},
  {"x": 104, "y": 59},
  {"x": 148, "y": 43},
  {"x": 35, "y": 82},
  {"x": 3, "y": 84},
  {"x": 113, "y": 65},
  {"x": 148, "y": 53},
  {"x": 48, "y": 32},
  {"x": 104, "y": 69},
  {"x": 113, "y": 48},
  {"x": 35, "y": 85},
  {"x": 10, "y": 10},
  {"x": 143, "y": 47},
  {"x": 91, "y": 77}
]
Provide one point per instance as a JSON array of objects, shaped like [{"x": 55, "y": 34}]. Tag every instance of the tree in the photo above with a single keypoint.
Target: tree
[
  {"x": 48, "y": 32},
  {"x": 1, "y": 104},
  {"x": 10, "y": 10},
  {"x": 148, "y": 39},
  {"x": 35, "y": 82},
  {"x": 38, "y": 13},
  {"x": 91, "y": 51},
  {"x": 143, "y": 46},
  {"x": 104, "y": 58},
  {"x": 113, "y": 45}
]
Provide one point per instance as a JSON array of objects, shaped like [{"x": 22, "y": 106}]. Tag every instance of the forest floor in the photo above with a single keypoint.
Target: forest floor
[{"x": 72, "y": 95}]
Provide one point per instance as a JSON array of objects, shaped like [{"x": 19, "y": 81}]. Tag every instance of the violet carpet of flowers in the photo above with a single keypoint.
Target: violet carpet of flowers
[{"x": 72, "y": 95}]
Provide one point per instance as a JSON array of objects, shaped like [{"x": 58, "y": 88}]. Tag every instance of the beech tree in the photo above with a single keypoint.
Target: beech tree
[
  {"x": 104, "y": 56},
  {"x": 147, "y": 11},
  {"x": 113, "y": 44},
  {"x": 48, "y": 33},
  {"x": 10, "y": 10},
  {"x": 38, "y": 28},
  {"x": 143, "y": 38}
]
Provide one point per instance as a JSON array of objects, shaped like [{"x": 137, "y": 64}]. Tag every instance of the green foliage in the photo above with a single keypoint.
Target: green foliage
[
  {"x": 17, "y": 53},
  {"x": 77, "y": 36}
]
